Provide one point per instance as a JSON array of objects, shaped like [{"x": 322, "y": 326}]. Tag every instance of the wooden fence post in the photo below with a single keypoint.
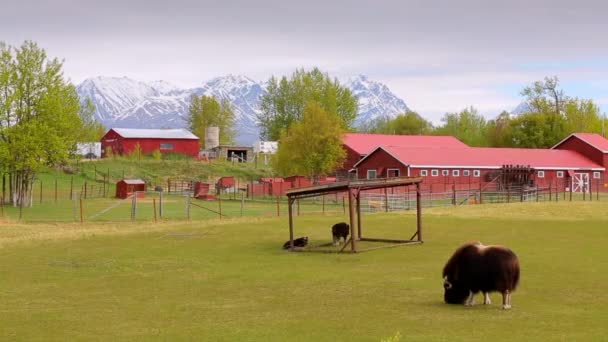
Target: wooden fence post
[
  {"x": 154, "y": 204},
  {"x": 219, "y": 202},
  {"x": 453, "y": 194},
  {"x": 72, "y": 188},
  {"x": 323, "y": 203},
  {"x": 41, "y": 191},
  {"x": 81, "y": 212},
  {"x": 242, "y": 202}
]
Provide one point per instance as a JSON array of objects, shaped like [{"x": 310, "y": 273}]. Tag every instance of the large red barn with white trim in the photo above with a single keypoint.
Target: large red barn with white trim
[
  {"x": 124, "y": 140},
  {"x": 579, "y": 161}
]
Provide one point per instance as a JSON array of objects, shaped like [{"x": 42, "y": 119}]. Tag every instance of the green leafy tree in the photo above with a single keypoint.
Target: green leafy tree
[
  {"x": 582, "y": 116},
  {"x": 468, "y": 126},
  {"x": 499, "y": 132},
  {"x": 206, "y": 111},
  {"x": 313, "y": 146},
  {"x": 39, "y": 115},
  {"x": 92, "y": 130},
  {"x": 285, "y": 101},
  {"x": 534, "y": 130}
]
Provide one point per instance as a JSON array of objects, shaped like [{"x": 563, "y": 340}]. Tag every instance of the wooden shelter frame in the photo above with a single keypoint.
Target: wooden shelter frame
[{"x": 354, "y": 190}]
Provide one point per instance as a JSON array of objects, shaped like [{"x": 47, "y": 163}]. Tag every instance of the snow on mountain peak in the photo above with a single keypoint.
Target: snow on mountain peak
[
  {"x": 123, "y": 102},
  {"x": 375, "y": 100}
]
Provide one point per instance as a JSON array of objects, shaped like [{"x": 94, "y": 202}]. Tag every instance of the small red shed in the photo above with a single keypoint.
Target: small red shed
[
  {"x": 126, "y": 187},
  {"x": 225, "y": 182},
  {"x": 125, "y": 140}
]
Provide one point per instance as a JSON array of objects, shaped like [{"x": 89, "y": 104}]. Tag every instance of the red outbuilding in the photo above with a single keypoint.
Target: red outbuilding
[
  {"x": 126, "y": 187},
  {"x": 123, "y": 141}
]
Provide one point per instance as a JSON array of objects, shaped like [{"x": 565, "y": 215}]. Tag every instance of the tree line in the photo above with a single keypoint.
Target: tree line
[{"x": 548, "y": 116}]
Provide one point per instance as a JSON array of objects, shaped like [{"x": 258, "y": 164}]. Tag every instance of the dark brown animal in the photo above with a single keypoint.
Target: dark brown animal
[
  {"x": 477, "y": 268},
  {"x": 299, "y": 242},
  {"x": 340, "y": 230}
]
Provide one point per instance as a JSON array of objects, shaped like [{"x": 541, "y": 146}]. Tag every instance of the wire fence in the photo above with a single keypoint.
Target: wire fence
[{"x": 96, "y": 203}]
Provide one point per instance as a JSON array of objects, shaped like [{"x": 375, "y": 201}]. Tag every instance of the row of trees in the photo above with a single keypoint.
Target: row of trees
[
  {"x": 548, "y": 116},
  {"x": 41, "y": 117}
]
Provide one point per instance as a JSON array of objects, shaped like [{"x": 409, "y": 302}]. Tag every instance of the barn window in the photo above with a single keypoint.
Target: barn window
[
  {"x": 560, "y": 174},
  {"x": 434, "y": 173},
  {"x": 476, "y": 173},
  {"x": 455, "y": 173},
  {"x": 166, "y": 146},
  {"x": 466, "y": 173},
  {"x": 445, "y": 172},
  {"x": 596, "y": 175},
  {"x": 541, "y": 174},
  {"x": 392, "y": 173},
  {"x": 371, "y": 174},
  {"x": 424, "y": 173}
]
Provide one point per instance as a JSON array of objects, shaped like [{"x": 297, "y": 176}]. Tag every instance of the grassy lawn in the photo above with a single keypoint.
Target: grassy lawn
[{"x": 229, "y": 280}]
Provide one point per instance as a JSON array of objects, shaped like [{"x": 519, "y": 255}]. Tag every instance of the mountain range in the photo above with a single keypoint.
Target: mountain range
[{"x": 127, "y": 103}]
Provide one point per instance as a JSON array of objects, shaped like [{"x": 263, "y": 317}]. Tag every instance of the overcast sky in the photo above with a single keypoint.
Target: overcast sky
[{"x": 438, "y": 56}]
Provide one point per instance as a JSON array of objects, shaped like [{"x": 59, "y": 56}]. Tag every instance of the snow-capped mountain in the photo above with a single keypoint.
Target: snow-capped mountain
[
  {"x": 127, "y": 103},
  {"x": 521, "y": 108},
  {"x": 244, "y": 94},
  {"x": 375, "y": 100}
]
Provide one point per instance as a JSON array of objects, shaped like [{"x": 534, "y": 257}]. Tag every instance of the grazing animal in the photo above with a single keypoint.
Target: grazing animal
[
  {"x": 474, "y": 268},
  {"x": 339, "y": 230},
  {"x": 299, "y": 242}
]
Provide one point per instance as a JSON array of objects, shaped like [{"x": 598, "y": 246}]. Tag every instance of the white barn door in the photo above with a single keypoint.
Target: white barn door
[{"x": 580, "y": 182}]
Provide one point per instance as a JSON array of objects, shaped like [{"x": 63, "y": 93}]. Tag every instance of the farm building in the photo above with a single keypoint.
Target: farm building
[
  {"x": 124, "y": 141},
  {"x": 126, "y": 187},
  {"x": 358, "y": 145},
  {"x": 233, "y": 153},
  {"x": 579, "y": 161}
]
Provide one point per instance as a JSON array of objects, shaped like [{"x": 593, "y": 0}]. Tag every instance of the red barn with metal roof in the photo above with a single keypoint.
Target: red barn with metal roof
[
  {"x": 358, "y": 145},
  {"x": 124, "y": 141},
  {"x": 466, "y": 165}
]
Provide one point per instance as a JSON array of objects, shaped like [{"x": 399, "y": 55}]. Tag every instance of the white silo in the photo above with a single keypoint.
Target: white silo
[{"x": 212, "y": 137}]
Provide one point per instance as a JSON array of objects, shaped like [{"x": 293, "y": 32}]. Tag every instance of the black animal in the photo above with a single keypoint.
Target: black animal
[
  {"x": 340, "y": 230},
  {"x": 474, "y": 268},
  {"x": 299, "y": 242}
]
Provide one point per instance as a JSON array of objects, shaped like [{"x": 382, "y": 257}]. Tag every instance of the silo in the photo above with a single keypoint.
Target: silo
[{"x": 212, "y": 137}]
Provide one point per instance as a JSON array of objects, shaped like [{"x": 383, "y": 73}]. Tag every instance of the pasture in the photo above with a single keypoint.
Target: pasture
[{"x": 230, "y": 280}]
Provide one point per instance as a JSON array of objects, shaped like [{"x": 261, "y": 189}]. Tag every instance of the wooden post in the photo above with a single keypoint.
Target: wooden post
[
  {"x": 590, "y": 191},
  {"x": 453, "y": 194},
  {"x": 359, "y": 229},
  {"x": 550, "y": 198},
  {"x": 351, "y": 213},
  {"x": 343, "y": 205},
  {"x": 278, "y": 208},
  {"x": 81, "y": 212},
  {"x": 242, "y": 202},
  {"x": 41, "y": 191},
  {"x": 508, "y": 195},
  {"x": 584, "y": 192},
  {"x": 571, "y": 193},
  {"x": 385, "y": 200},
  {"x": 219, "y": 201},
  {"x": 298, "y": 201},
  {"x": 154, "y": 204},
  {"x": 72, "y": 188},
  {"x": 419, "y": 212},
  {"x": 597, "y": 190},
  {"x": 556, "y": 192},
  {"x": 55, "y": 190},
  {"x": 85, "y": 190},
  {"x": 289, "y": 208},
  {"x": 480, "y": 200}
]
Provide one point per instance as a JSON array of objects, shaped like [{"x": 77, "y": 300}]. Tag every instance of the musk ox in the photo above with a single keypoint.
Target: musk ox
[
  {"x": 299, "y": 242},
  {"x": 339, "y": 230},
  {"x": 474, "y": 268}
]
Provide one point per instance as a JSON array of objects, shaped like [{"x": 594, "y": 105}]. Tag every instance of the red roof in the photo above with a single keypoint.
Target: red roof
[
  {"x": 483, "y": 157},
  {"x": 364, "y": 143},
  {"x": 592, "y": 139}
]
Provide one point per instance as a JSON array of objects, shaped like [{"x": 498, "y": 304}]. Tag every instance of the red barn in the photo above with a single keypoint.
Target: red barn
[
  {"x": 358, "y": 145},
  {"x": 472, "y": 165},
  {"x": 124, "y": 140}
]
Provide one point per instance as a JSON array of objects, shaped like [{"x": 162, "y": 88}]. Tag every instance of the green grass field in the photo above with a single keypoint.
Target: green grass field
[{"x": 230, "y": 280}]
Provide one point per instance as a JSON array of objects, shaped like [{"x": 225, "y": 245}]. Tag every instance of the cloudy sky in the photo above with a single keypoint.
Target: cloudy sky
[{"x": 437, "y": 55}]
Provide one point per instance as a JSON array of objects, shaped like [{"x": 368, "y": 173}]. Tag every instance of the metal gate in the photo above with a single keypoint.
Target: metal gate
[{"x": 580, "y": 182}]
